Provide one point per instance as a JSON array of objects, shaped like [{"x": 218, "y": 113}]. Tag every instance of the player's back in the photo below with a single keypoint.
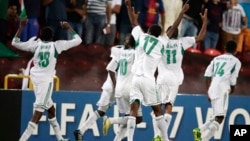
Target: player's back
[
  {"x": 224, "y": 71},
  {"x": 148, "y": 54},
  {"x": 124, "y": 74},
  {"x": 45, "y": 58},
  {"x": 170, "y": 66}
]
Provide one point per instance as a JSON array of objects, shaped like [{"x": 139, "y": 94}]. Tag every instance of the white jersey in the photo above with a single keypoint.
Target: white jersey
[
  {"x": 232, "y": 19},
  {"x": 124, "y": 74},
  {"x": 224, "y": 71},
  {"x": 45, "y": 56},
  {"x": 148, "y": 53},
  {"x": 169, "y": 69}
]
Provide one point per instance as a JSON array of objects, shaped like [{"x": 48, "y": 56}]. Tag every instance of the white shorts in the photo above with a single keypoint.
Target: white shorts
[
  {"x": 107, "y": 98},
  {"x": 123, "y": 105},
  {"x": 144, "y": 89},
  {"x": 43, "y": 93},
  {"x": 168, "y": 93},
  {"x": 220, "y": 105}
]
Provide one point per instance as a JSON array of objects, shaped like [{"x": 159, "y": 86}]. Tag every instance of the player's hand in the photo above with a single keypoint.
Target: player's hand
[
  {"x": 65, "y": 25},
  {"x": 128, "y": 3},
  {"x": 185, "y": 7},
  {"x": 204, "y": 16},
  {"x": 23, "y": 22}
]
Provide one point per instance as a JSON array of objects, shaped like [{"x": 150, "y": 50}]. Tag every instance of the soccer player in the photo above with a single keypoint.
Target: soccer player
[
  {"x": 170, "y": 74},
  {"x": 42, "y": 73},
  {"x": 107, "y": 96},
  {"x": 124, "y": 61},
  {"x": 143, "y": 89},
  {"x": 221, "y": 77}
]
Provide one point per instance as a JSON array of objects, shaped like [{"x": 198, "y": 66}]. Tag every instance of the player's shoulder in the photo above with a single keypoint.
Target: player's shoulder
[{"x": 115, "y": 50}]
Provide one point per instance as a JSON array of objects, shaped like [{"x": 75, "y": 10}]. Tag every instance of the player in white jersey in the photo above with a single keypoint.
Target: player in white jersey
[
  {"x": 147, "y": 57},
  {"x": 43, "y": 71},
  {"x": 221, "y": 77},
  {"x": 105, "y": 101},
  {"x": 124, "y": 62},
  {"x": 170, "y": 74}
]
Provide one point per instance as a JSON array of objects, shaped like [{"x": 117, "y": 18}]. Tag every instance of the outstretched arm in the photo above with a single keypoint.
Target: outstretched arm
[
  {"x": 203, "y": 30},
  {"x": 133, "y": 16},
  {"x": 178, "y": 20},
  {"x": 21, "y": 26}
]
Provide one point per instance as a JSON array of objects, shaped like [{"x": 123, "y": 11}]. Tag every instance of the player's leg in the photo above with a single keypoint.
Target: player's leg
[
  {"x": 219, "y": 106},
  {"x": 32, "y": 125},
  {"x": 103, "y": 105},
  {"x": 131, "y": 124},
  {"x": 152, "y": 98},
  {"x": 169, "y": 102},
  {"x": 41, "y": 95}
]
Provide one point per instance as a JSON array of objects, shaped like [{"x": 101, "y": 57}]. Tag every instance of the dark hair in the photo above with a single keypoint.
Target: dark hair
[
  {"x": 175, "y": 34},
  {"x": 131, "y": 41},
  {"x": 231, "y": 46},
  {"x": 154, "y": 30},
  {"x": 47, "y": 34}
]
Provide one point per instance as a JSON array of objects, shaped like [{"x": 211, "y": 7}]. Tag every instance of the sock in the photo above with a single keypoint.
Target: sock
[
  {"x": 91, "y": 119},
  {"x": 214, "y": 126},
  {"x": 53, "y": 122},
  {"x": 121, "y": 133},
  {"x": 205, "y": 126},
  {"x": 29, "y": 130},
  {"x": 160, "y": 121},
  {"x": 131, "y": 128},
  {"x": 118, "y": 120},
  {"x": 167, "y": 118},
  {"x": 155, "y": 126}
]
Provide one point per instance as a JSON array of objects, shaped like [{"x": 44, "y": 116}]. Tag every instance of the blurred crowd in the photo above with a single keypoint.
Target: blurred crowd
[{"x": 106, "y": 22}]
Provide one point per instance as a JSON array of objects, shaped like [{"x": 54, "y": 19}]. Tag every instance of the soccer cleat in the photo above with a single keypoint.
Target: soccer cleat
[
  {"x": 106, "y": 125},
  {"x": 78, "y": 135},
  {"x": 158, "y": 138},
  {"x": 197, "y": 134}
]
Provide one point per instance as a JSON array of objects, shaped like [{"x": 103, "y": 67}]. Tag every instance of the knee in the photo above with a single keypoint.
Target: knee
[
  {"x": 51, "y": 112},
  {"x": 138, "y": 120},
  {"x": 219, "y": 119}
]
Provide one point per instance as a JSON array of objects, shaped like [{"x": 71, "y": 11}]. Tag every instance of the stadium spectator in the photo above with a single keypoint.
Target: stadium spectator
[
  {"x": 215, "y": 11},
  {"x": 3, "y": 22},
  {"x": 244, "y": 39},
  {"x": 191, "y": 19},
  {"x": 12, "y": 21},
  {"x": 55, "y": 13},
  {"x": 110, "y": 37},
  {"x": 32, "y": 10},
  {"x": 151, "y": 12},
  {"x": 233, "y": 22},
  {"x": 75, "y": 13},
  {"x": 98, "y": 17},
  {"x": 172, "y": 10}
]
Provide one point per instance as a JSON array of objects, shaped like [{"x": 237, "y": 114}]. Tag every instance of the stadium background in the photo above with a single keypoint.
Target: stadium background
[{"x": 82, "y": 73}]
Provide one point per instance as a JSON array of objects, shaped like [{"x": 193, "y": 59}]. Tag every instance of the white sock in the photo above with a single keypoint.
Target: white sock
[
  {"x": 160, "y": 121},
  {"x": 205, "y": 126},
  {"x": 118, "y": 120},
  {"x": 214, "y": 126},
  {"x": 53, "y": 122},
  {"x": 121, "y": 133},
  {"x": 131, "y": 128},
  {"x": 167, "y": 118},
  {"x": 91, "y": 119},
  {"x": 155, "y": 126},
  {"x": 29, "y": 130}
]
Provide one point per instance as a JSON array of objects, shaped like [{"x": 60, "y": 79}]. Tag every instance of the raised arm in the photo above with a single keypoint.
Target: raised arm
[
  {"x": 21, "y": 26},
  {"x": 133, "y": 16},
  {"x": 178, "y": 20},
  {"x": 203, "y": 30}
]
